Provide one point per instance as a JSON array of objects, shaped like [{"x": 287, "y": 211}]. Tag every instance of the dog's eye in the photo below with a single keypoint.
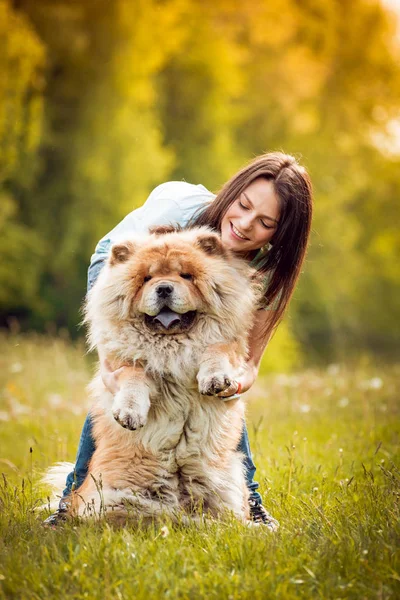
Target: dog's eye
[
  {"x": 186, "y": 276},
  {"x": 147, "y": 278}
]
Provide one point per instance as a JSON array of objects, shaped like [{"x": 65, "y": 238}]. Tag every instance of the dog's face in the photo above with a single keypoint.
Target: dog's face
[{"x": 169, "y": 279}]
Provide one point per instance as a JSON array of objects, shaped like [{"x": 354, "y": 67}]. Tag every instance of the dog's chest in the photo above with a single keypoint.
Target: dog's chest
[{"x": 183, "y": 425}]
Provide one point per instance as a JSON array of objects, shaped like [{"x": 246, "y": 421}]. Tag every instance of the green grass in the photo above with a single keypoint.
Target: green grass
[{"x": 326, "y": 444}]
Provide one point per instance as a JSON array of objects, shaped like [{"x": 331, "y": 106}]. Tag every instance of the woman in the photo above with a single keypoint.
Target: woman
[{"x": 264, "y": 215}]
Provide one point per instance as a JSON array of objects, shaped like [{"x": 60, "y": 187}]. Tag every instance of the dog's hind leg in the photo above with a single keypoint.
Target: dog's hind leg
[
  {"x": 94, "y": 500},
  {"x": 230, "y": 491},
  {"x": 128, "y": 504}
]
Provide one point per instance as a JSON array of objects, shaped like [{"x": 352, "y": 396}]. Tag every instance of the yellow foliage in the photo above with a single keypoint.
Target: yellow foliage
[
  {"x": 283, "y": 353},
  {"x": 21, "y": 104}
]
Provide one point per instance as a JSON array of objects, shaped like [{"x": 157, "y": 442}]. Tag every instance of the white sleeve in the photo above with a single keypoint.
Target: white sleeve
[{"x": 173, "y": 202}]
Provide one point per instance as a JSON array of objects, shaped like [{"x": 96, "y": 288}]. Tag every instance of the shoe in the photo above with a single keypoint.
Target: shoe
[
  {"x": 260, "y": 516},
  {"x": 57, "y": 517}
]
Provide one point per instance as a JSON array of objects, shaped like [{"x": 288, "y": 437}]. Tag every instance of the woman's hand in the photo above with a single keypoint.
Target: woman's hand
[
  {"x": 110, "y": 378},
  {"x": 243, "y": 382}
]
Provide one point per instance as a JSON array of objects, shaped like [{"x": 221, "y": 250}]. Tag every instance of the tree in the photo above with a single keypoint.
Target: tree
[{"x": 21, "y": 109}]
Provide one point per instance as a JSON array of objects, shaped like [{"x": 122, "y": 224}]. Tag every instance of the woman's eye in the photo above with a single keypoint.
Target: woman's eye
[
  {"x": 243, "y": 206},
  {"x": 186, "y": 276},
  {"x": 266, "y": 226},
  {"x": 147, "y": 278}
]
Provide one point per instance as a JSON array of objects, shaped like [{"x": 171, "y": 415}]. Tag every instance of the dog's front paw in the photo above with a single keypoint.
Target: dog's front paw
[
  {"x": 129, "y": 419},
  {"x": 131, "y": 413},
  {"x": 213, "y": 384}
]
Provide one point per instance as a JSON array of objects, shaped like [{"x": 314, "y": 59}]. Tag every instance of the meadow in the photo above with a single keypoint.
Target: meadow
[{"x": 326, "y": 444}]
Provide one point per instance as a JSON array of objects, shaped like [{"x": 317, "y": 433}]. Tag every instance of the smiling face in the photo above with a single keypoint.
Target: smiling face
[{"x": 252, "y": 220}]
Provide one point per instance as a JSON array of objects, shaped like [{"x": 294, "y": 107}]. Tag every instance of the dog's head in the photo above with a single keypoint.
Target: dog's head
[{"x": 166, "y": 282}]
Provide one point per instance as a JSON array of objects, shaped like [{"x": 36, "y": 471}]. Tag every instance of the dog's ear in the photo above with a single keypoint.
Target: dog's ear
[
  {"x": 162, "y": 229},
  {"x": 121, "y": 252},
  {"x": 211, "y": 244}
]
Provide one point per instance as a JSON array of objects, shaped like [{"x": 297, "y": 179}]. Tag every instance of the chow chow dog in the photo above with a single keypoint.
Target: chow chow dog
[{"x": 176, "y": 307}]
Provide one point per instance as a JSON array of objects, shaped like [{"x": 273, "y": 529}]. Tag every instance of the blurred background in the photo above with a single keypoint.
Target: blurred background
[{"x": 101, "y": 101}]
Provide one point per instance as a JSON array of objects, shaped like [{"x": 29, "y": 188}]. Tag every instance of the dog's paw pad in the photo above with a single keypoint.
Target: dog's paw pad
[{"x": 217, "y": 383}]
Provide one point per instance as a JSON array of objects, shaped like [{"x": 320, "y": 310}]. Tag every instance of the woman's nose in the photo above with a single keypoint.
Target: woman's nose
[{"x": 246, "y": 223}]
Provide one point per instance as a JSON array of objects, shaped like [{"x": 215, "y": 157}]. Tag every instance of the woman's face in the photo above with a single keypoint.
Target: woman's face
[{"x": 252, "y": 219}]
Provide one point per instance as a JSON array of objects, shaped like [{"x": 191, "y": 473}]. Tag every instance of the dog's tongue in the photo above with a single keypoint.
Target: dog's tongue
[{"x": 167, "y": 317}]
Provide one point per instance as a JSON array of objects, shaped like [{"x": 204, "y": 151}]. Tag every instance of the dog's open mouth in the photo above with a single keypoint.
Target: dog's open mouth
[{"x": 169, "y": 321}]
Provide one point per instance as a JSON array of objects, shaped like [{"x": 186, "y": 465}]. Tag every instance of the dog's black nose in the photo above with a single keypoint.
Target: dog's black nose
[{"x": 164, "y": 290}]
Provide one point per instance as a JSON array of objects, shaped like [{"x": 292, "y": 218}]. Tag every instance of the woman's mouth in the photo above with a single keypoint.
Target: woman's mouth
[{"x": 236, "y": 233}]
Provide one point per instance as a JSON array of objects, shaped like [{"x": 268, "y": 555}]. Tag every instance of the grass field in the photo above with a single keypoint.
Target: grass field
[{"x": 326, "y": 444}]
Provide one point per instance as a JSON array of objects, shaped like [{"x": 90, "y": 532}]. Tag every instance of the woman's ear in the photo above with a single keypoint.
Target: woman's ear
[{"x": 121, "y": 252}]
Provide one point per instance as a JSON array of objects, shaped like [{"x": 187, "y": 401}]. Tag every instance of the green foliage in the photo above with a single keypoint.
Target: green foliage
[
  {"x": 104, "y": 100},
  {"x": 20, "y": 259},
  {"x": 326, "y": 447}
]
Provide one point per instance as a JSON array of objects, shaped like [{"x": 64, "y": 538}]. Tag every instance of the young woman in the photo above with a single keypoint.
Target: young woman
[{"x": 264, "y": 215}]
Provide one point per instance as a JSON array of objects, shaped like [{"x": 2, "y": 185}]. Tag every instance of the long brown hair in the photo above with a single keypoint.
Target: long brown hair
[{"x": 280, "y": 266}]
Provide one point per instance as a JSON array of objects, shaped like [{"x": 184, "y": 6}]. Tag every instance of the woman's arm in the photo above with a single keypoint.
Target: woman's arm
[{"x": 257, "y": 344}]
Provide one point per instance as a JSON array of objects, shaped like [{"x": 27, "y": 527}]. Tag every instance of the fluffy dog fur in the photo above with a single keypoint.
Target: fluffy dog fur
[{"x": 175, "y": 306}]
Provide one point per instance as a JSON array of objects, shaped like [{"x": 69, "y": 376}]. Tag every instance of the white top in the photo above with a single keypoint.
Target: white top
[{"x": 174, "y": 202}]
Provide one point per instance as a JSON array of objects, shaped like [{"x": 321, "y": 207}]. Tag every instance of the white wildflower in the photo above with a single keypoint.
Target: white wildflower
[
  {"x": 164, "y": 531},
  {"x": 77, "y": 410},
  {"x": 343, "y": 402},
  {"x": 333, "y": 369},
  {"x": 282, "y": 379},
  {"x": 287, "y": 380},
  {"x": 375, "y": 383},
  {"x": 16, "y": 367},
  {"x": 20, "y": 409},
  {"x": 305, "y": 408},
  {"x": 315, "y": 382},
  {"x": 54, "y": 400}
]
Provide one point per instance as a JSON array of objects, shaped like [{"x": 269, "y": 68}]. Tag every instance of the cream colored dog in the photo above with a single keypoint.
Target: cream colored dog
[{"x": 176, "y": 306}]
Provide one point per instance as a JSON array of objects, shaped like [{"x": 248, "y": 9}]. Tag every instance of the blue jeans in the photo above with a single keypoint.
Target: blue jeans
[{"x": 87, "y": 447}]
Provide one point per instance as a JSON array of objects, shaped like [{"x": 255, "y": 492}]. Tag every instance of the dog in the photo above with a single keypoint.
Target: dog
[{"x": 176, "y": 307}]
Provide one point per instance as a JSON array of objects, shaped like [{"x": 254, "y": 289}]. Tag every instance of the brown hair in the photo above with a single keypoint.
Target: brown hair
[{"x": 281, "y": 265}]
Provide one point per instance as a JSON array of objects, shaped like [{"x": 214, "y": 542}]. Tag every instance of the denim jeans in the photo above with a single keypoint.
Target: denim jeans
[{"x": 86, "y": 449}]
